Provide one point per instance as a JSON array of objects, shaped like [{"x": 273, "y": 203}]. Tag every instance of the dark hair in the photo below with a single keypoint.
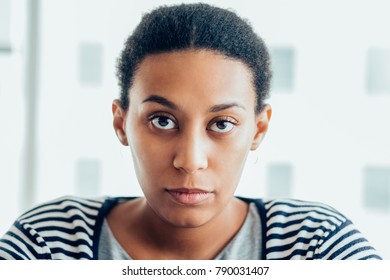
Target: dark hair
[{"x": 195, "y": 26}]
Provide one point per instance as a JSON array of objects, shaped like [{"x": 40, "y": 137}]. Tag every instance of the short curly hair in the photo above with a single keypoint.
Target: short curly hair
[{"x": 195, "y": 26}]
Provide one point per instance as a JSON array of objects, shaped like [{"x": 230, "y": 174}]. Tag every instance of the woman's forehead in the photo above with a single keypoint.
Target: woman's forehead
[{"x": 197, "y": 73}]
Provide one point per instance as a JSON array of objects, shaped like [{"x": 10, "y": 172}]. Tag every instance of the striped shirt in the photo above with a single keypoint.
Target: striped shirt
[{"x": 70, "y": 228}]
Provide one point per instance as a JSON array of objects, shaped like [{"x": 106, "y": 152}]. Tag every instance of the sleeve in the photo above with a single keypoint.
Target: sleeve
[
  {"x": 22, "y": 242},
  {"x": 345, "y": 242}
]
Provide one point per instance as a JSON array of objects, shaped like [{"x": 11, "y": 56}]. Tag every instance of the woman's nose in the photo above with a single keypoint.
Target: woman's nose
[{"x": 190, "y": 153}]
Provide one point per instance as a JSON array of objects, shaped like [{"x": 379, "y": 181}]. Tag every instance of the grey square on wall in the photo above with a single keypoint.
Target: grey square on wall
[
  {"x": 282, "y": 63},
  {"x": 378, "y": 71},
  {"x": 377, "y": 187},
  {"x": 90, "y": 64},
  {"x": 88, "y": 177},
  {"x": 279, "y": 180}
]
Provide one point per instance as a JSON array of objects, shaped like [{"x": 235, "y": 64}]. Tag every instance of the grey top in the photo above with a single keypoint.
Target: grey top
[{"x": 246, "y": 245}]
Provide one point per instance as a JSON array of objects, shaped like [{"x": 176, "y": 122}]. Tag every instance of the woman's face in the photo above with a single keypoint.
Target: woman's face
[{"x": 190, "y": 125}]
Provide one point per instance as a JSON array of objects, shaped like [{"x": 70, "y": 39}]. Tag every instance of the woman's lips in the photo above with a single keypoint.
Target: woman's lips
[{"x": 189, "y": 196}]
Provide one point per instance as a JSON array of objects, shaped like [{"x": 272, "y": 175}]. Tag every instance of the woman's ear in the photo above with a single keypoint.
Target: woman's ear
[
  {"x": 119, "y": 115},
  {"x": 262, "y": 120}
]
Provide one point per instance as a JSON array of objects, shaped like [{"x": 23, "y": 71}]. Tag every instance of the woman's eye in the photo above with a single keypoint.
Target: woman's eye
[
  {"x": 163, "y": 122},
  {"x": 222, "y": 126}
]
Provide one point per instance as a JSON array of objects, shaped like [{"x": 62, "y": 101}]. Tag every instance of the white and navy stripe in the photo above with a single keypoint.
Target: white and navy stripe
[
  {"x": 303, "y": 230},
  {"x": 61, "y": 229},
  {"x": 69, "y": 228}
]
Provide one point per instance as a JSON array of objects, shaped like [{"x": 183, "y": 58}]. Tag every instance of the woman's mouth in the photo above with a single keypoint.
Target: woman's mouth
[{"x": 189, "y": 196}]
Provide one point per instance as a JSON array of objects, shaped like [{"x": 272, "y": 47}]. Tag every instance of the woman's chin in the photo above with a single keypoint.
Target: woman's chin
[{"x": 186, "y": 220}]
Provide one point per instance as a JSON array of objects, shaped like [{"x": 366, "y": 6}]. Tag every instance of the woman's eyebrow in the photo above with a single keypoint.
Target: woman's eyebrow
[
  {"x": 161, "y": 100},
  {"x": 165, "y": 102},
  {"x": 221, "y": 107}
]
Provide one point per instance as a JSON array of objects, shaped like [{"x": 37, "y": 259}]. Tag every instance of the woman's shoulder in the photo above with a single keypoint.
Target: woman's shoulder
[
  {"x": 293, "y": 209},
  {"x": 62, "y": 228},
  {"x": 65, "y": 206},
  {"x": 71, "y": 209},
  {"x": 288, "y": 209},
  {"x": 67, "y": 215},
  {"x": 65, "y": 203},
  {"x": 67, "y": 227},
  {"x": 298, "y": 229}
]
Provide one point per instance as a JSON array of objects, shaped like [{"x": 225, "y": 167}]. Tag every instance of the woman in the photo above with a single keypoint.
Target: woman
[{"x": 194, "y": 79}]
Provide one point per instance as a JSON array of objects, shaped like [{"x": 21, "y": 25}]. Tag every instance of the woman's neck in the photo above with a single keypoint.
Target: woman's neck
[{"x": 145, "y": 235}]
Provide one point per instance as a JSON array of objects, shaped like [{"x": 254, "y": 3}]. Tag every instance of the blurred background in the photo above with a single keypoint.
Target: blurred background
[{"x": 329, "y": 135}]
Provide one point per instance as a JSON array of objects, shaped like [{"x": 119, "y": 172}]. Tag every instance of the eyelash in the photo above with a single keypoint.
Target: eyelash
[
  {"x": 224, "y": 119},
  {"x": 159, "y": 115}
]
